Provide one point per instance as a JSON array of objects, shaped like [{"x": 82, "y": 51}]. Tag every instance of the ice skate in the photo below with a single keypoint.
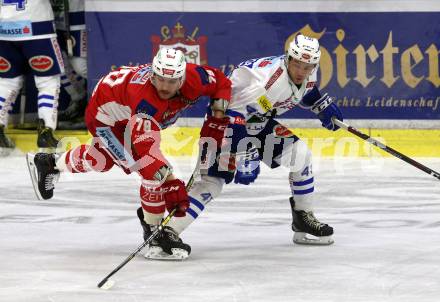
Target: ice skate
[
  {"x": 6, "y": 144},
  {"x": 308, "y": 229},
  {"x": 43, "y": 172},
  {"x": 166, "y": 246},
  {"x": 46, "y": 139}
]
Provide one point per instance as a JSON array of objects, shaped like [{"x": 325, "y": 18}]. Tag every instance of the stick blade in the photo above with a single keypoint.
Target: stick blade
[{"x": 106, "y": 284}]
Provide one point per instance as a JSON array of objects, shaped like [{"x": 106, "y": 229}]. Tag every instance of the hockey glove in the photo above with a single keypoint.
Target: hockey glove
[
  {"x": 215, "y": 127},
  {"x": 176, "y": 197},
  {"x": 248, "y": 167},
  {"x": 325, "y": 109}
]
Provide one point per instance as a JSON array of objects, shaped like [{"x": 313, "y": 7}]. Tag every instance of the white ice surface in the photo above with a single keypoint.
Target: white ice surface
[{"x": 386, "y": 216}]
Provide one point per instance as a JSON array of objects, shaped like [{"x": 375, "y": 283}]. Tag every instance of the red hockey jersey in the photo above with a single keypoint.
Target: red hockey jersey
[
  {"x": 128, "y": 90},
  {"x": 122, "y": 94}
]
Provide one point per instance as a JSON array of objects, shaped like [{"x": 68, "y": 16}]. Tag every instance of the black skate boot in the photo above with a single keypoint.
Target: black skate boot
[
  {"x": 44, "y": 173},
  {"x": 305, "y": 223},
  {"x": 45, "y": 136},
  {"x": 6, "y": 144},
  {"x": 166, "y": 246}
]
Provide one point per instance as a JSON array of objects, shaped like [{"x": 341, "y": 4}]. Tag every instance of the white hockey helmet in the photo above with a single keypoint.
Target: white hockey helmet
[
  {"x": 169, "y": 63},
  {"x": 304, "y": 49}
]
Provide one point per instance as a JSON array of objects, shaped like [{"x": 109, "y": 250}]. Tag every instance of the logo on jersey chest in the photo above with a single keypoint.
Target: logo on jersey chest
[
  {"x": 170, "y": 116},
  {"x": 264, "y": 103},
  {"x": 273, "y": 78},
  {"x": 287, "y": 104},
  {"x": 176, "y": 37}
]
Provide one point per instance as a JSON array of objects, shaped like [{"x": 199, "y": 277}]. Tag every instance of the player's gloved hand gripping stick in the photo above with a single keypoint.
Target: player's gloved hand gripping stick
[{"x": 385, "y": 148}]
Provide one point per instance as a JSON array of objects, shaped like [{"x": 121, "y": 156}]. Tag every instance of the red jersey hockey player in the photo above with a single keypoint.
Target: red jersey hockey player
[{"x": 127, "y": 110}]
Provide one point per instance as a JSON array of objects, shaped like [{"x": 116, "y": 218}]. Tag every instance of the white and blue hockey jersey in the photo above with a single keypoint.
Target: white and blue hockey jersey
[
  {"x": 26, "y": 20},
  {"x": 262, "y": 87}
]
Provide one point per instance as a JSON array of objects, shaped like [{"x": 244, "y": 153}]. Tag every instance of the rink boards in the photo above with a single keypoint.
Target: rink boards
[
  {"x": 183, "y": 141},
  {"x": 386, "y": 70},
  {"x": 384, "y": 77},
  {"x": 389, "y": 70}
]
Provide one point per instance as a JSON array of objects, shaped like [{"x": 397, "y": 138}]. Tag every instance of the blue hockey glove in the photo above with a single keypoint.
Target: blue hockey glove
[
  {"x": 325, "y": 109},
  {"x": 248, "y": 167}
]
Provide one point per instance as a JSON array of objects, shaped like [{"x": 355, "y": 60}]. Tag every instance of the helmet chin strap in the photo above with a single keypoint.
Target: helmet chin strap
[
  {"x": 182, "y": 81},
  {"x": 286, "y": 64}
]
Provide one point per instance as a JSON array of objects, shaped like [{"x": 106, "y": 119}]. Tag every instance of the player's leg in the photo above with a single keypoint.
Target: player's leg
[
  {"x": 48, "y": 92},
  {"x": 45, "y": 60},
  {"x": 45, "y": 168},
  {"x": 157, "y": 180},
  {"x": 167, "y": 245},
  {"x": 215, "y": 168},
  {"x": 202, "y": 192},
  {"x": 11, "y": 81},
  {"x": 283, "y": 148},
  {"x": 9, "y": 89},
  {"x": 75, "y": 87},
  {"x": 75, "y": 78}
]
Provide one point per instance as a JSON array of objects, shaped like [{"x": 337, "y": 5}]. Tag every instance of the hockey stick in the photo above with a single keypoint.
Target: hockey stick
[
  {"x": 68, "y": 36},
  {"x": 106, "y": 283},
  {"x": 385, "y": 148}
]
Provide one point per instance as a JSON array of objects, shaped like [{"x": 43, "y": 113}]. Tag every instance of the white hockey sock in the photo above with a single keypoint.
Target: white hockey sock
[
  {"x": 201, "y": 193},
  {"x": 9, "y": 89},
  {"x": 48, "y": 93},
  {"x": 302, "y": 191},
  {"x": 152, "y": 219},
  {"x": 298, "y": 158}
]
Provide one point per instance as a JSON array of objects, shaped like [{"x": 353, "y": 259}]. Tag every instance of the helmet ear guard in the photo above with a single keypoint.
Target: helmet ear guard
[
  {"x": 304, "y": 49},
  {"x": 169, "y": 63}
]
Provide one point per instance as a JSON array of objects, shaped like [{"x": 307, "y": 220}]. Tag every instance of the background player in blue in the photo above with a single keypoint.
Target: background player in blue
[
  {"x": 263, "y": 89},
  {"x": 72, "y": 37},
  {"x": 28, "y": 42}
]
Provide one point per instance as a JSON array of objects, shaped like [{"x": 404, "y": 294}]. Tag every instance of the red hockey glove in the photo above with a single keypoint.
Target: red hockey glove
[
  {"x": 175, "y": 195},
  {"x": 215, "y": 127}
]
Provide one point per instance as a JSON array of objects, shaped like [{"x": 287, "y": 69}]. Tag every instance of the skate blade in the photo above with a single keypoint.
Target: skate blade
[
  {"x": 156, "y": 253},
  {"x": 307, "y": 239},
  {"x": 33, "y": 173}
]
